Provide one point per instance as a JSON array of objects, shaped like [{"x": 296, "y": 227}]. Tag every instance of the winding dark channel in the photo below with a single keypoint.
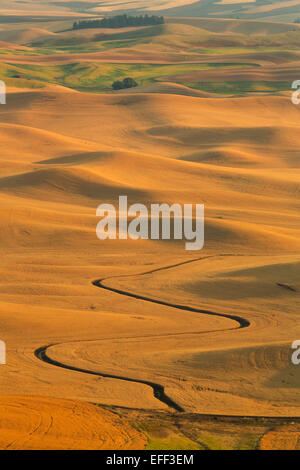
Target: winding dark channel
[
  {"x": 158, "y": 389},
  {"x": 243, "y": 322}
]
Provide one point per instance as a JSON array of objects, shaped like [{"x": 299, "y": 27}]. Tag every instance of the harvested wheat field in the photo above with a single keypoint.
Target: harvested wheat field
[
  {"x": 134, "y": 344},
  {"x": 37, "y": 423}
]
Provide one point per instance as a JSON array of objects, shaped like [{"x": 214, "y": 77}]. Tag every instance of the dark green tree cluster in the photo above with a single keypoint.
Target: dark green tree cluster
[
  {"x": 297, "y": 21},
  {"x": 120, "y": 21},
  {"x": 126, "y": 83}
]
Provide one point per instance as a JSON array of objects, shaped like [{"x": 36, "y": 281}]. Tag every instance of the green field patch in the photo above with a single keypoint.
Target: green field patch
[
  {"x": 172, "y": 443},
  {"x": 238, "y": 50},
  {"x": 99, "y": 77},
  {"x": 162, "y": 437},
  {"x": 249, "y": 442},
  {"x": 239, "y": 87}
]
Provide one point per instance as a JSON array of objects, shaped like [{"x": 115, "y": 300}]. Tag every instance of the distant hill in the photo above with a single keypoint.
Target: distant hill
[
  {"x": 271, "y": 10},
  {"x": 267, "y": 10}
]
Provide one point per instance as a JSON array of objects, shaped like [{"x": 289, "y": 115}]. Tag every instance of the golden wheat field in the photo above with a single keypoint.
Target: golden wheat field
[{"x": 141, "y": 344}]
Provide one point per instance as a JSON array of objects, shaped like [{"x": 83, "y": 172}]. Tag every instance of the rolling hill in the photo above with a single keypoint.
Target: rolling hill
[{"x": 268, "y": 10}]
